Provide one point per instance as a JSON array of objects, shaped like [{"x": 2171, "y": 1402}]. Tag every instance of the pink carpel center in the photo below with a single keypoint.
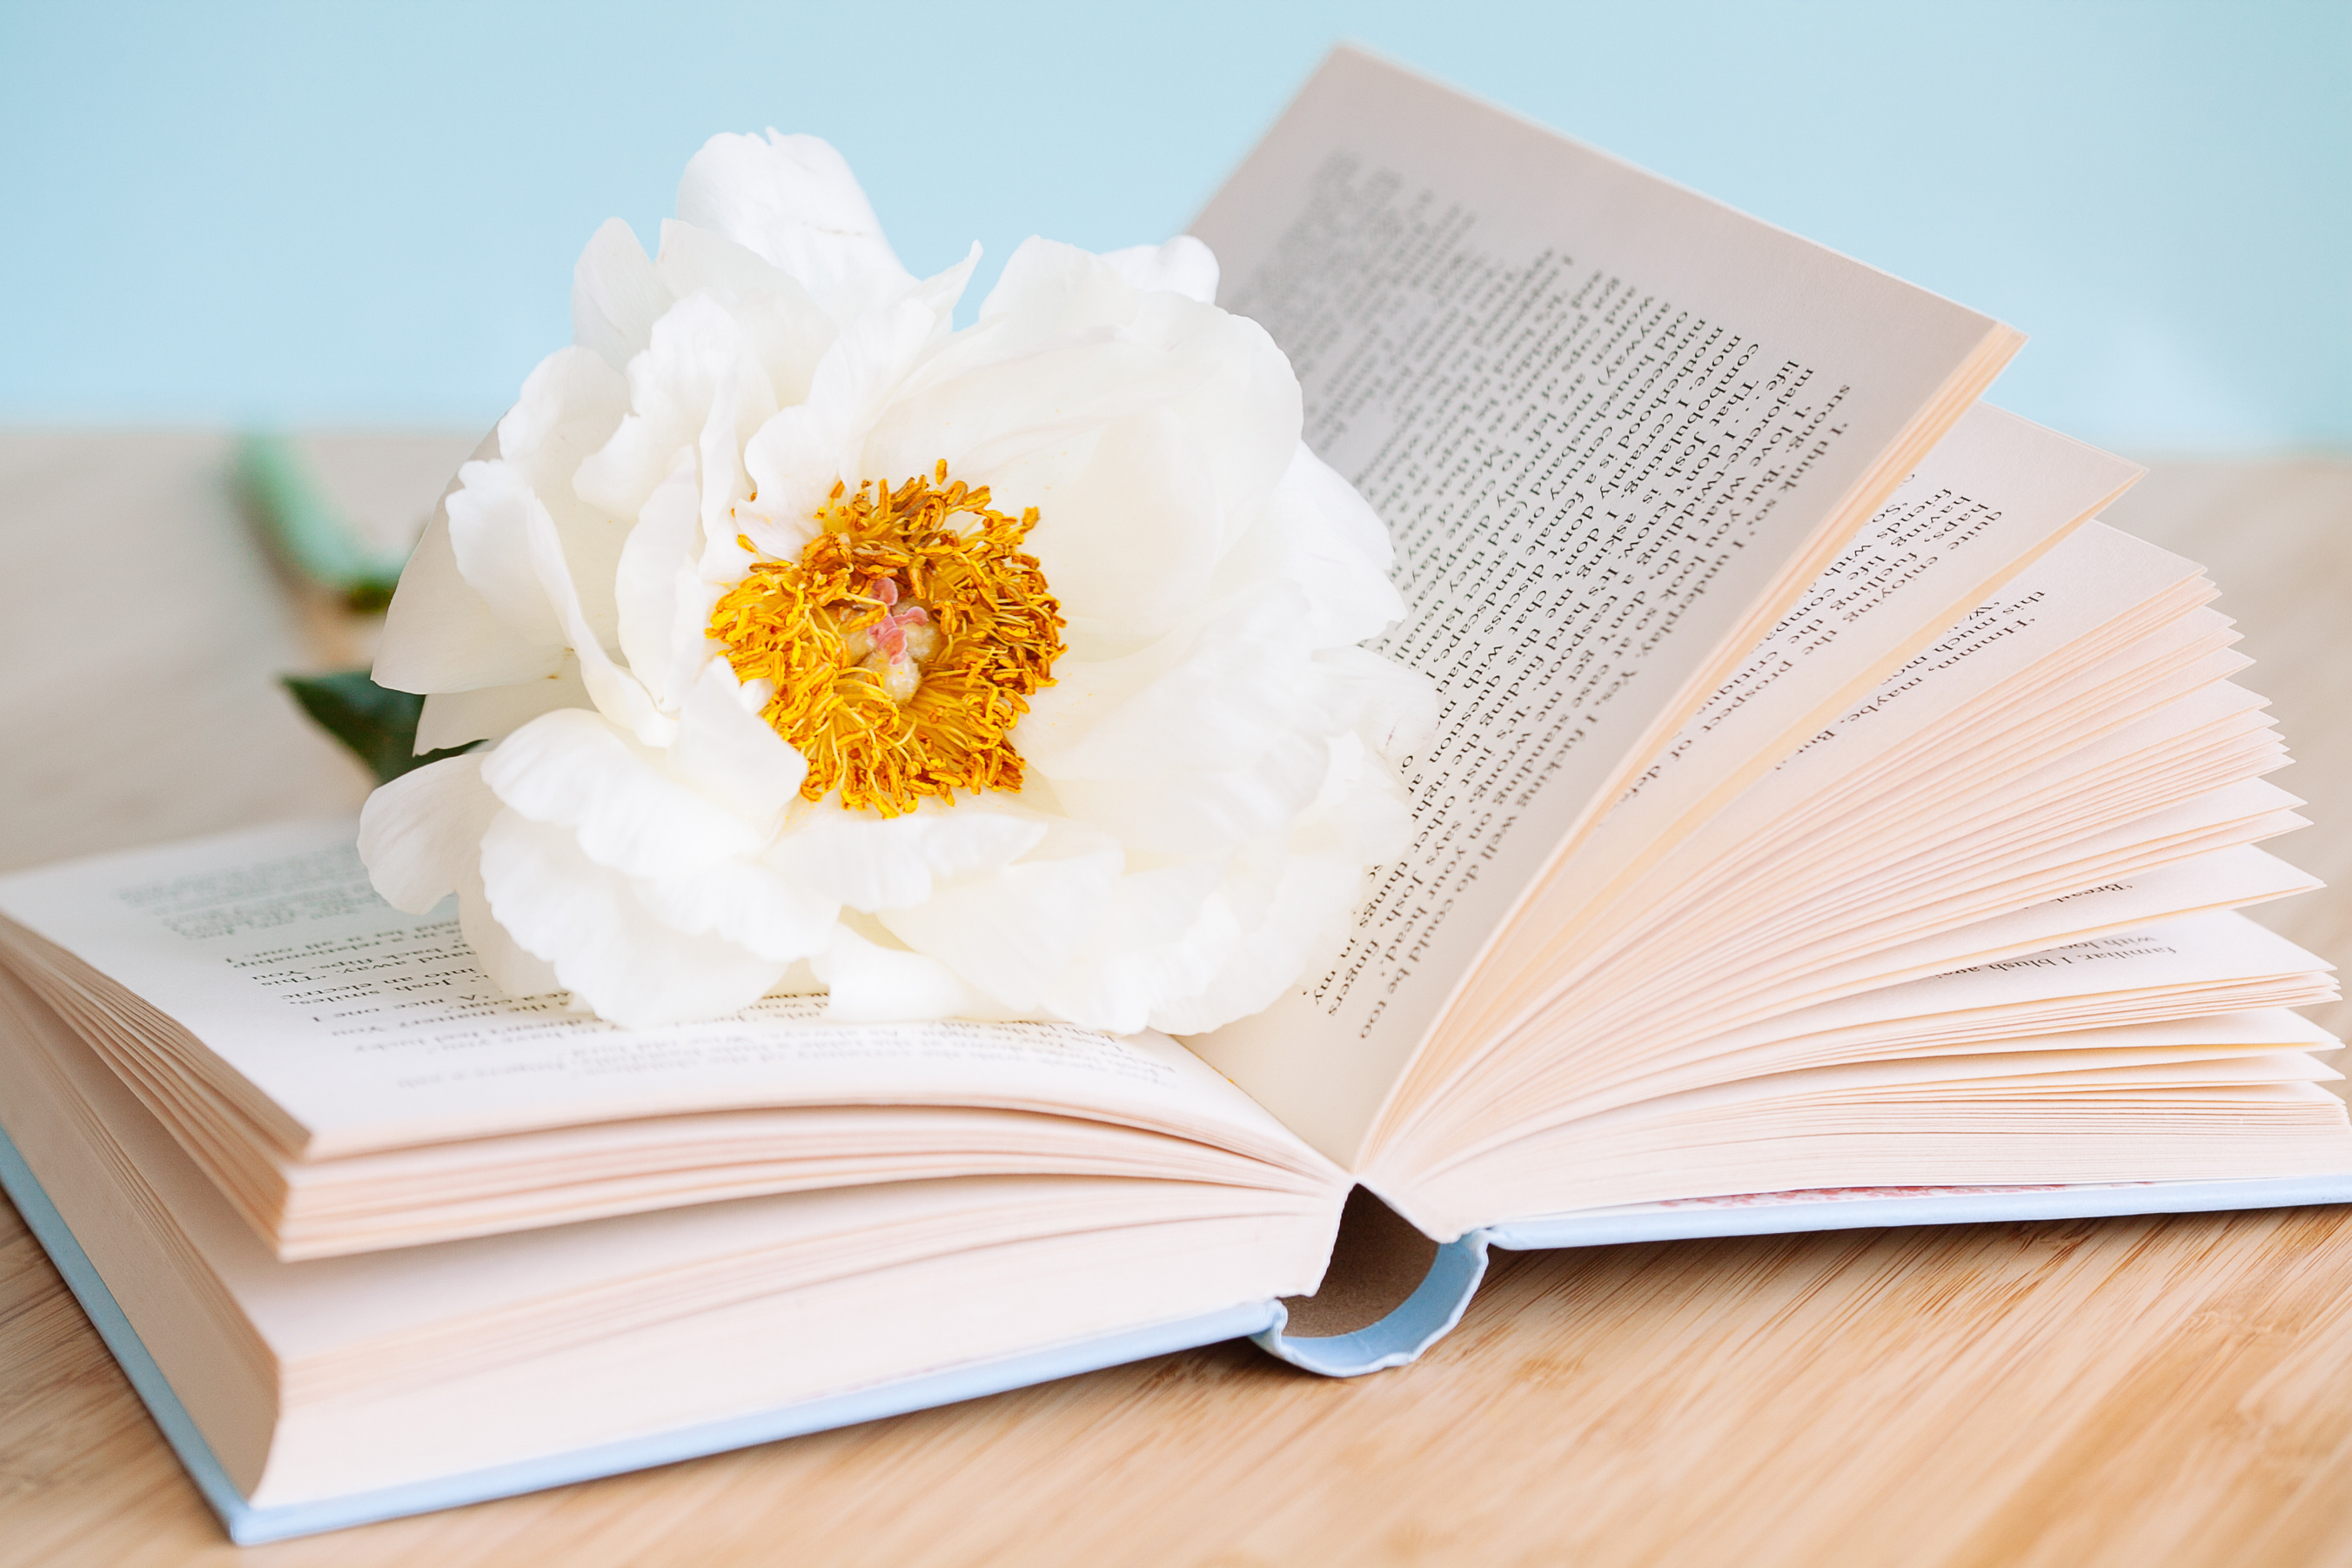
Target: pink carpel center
[{"x": 894, "y": 642}]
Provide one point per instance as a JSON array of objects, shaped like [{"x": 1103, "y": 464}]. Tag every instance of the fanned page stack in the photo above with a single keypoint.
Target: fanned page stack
[{"x": 1829, "y": 823}]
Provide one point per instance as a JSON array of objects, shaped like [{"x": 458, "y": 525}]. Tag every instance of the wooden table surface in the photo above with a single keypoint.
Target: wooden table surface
[{"x": 2124, "y": 1392}]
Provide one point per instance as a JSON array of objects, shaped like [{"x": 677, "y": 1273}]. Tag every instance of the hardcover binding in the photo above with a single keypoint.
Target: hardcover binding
[
  {"x": 1431, "y": 1310},
  {"x": 248, "y": 1525},
  {"x": 1418, "y": 1322},
  {"x": 1665, "y": 1222},
  {"x": 1422, "y": 1318}
]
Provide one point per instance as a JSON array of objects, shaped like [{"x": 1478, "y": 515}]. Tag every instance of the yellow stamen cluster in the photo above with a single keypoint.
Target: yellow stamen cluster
[{"x": 808, "y": 628}]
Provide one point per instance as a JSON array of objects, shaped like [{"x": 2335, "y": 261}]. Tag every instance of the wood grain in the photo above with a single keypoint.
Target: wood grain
[{"x": 2130, "y": 1391}]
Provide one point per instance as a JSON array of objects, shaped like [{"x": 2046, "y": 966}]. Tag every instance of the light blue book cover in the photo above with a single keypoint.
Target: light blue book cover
[{"x": 1425, "y": 1317}]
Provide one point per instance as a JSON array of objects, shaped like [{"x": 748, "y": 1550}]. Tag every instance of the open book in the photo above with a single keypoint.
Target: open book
[{"x": 1829, "y": 823}]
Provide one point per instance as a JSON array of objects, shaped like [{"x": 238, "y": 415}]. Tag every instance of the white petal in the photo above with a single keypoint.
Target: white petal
[
  {"x": 1222, "y": 373},
  {"x": 606, "y": 947},
  {"x": 744, "y": 404},
  {"x": 1365, "y": 816},
  {"x": 699, "y": 365},
  {"x": 493, "y": 712},
  {"x": 574, "y": 769},
  {"x": 440, "y": 635},
  {"x": 617, "y": 694},
  {"x": 797, "y": 457},
  {"x": 1164, "y": 938},
  {"x": 695, "y": 261},
  {"x": 874, "y": 863},
  {"x": 1049, "y": 290},
  {"x": 871, "y": 983},
  {"x": 1246, "y": 416},
  {"x": 724, "y": 564},
  {"x": 662, "y": 652},
  {"x": 1318, "y": 532},
  {"x": 1130, "y": 541},
  {"x": 1011, "y": 933},
  {"x": 1202, "y": 812},
  {"x": 1195, "y": 753},
  {"x": 511, "y": 969},
  {"x": 746, "y": 903},
  {"x": 1393, "y": 707},
  {"x": 1306, "y": 922},
  {"x": 570, "y": 405},
  {"x": 786, "y": 329},
  {"x": 1184, "y": 266},
  {"x": 420, "y": 834},
  {"x": 790, "y": 199},
  {"x": 728, "y": 752},
  {"x": 1356, "y": 529},
  {"x": 491, "y": 516},
  {"x": 996, "y": 413},
  {"x": 1281, "y": 908},
  {"x": 616, "y": 296},
  {"x": 942, "y": 289}
]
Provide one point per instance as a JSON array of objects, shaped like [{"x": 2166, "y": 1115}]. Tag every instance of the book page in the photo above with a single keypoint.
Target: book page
[
  {"x": 1733, "y": 1020},
  {"x": 2175, "y": 970},
  {"x": 1613, "y": 427},
  {"x": 1845, "y": 806},
  {"x": 2007, "y": 1028},
  {"x": 1994, "y": 495},
  {"x": 303, "y": 1367},
  {"x": 340, "y": 1025},
  {"x": 2053, "y": 1115},
  {"x": 1919, "y": 590}
]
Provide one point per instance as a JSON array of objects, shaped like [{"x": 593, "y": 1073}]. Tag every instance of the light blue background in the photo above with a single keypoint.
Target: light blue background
[{"x": 341, "y": 214}]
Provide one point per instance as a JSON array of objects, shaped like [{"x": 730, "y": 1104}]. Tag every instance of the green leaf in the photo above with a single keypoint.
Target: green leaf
[{"x": 377, "y": 722}]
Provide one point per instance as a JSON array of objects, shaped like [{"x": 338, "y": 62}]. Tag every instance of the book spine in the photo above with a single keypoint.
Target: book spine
[{"x": 1418, "y": 1322}]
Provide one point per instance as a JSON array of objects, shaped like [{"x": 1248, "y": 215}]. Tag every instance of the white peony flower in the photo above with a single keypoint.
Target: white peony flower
[{"x": 1004, "y": 672}]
